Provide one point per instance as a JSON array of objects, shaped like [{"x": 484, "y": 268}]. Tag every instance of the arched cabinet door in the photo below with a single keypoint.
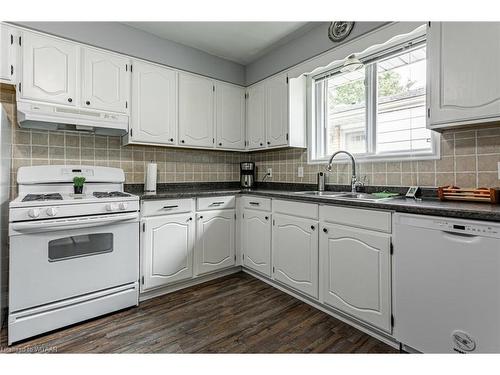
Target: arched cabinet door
[
  {"x": 256, "y": 117},
  {"x": 154, "y": 104},
  {"x": 167, "y": 249},
  {"x": 257, "y": 241},
  {"x": 230, "y": 116},
  {"x": 49, "y": 69},
  {"x": 295, "y": 253},
  {"x": 355, "y": 273}
]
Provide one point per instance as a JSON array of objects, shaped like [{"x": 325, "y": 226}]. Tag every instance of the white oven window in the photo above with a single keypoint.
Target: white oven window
[{"x": 80, "y": 246}]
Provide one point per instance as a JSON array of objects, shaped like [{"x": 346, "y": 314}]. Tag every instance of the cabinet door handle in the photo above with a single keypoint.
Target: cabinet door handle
[
  {"x": 267, "y": 217},
  {"x": 254, "y": 203},
  {"x": 171, "y": 139},
  {"x": 182, "y": 140},
  {"x": 170, "y": 207},
  {"x": 268, "y": 142},
  {"x": 261, "y": 144},
  {"x": 220, "y": 143},
  {"x": 70, "y": 100},
  {"x": 201, "y": 217},
  {"x": 190, "y": 219},
  {"x": 87, "y": 102},
  {"x": 313, "y": 227},
  {"x": 325, "y": 230}
]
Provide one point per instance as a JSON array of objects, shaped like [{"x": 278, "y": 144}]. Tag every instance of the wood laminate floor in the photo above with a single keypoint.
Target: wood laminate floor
[{"x": 234, "y": 314}]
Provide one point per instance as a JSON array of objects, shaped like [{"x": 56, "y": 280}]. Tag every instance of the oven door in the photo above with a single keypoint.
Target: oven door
[{"x": 58, "y": 259}]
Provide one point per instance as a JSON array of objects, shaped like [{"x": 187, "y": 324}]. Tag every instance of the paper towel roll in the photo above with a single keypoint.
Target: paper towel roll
[{"x": 150, "y": 187}]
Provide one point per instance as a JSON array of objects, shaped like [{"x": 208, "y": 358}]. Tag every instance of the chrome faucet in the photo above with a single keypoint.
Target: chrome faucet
[{"x": 354, "y": 179}]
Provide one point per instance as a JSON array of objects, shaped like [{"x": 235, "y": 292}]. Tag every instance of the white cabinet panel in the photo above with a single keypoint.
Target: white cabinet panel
[
  {"x": 196, "y": 111},
  {"x": 167, "y": 249},
  {"x": 230, "y": 116},
  {"x": 276, "y": 111},
  {"x": 295, "y": 253},
  {"x": 256, "y": 117},
  {"x": 106, "y": 81},
  {"x": 154, "y": 104},
  {"x": 463, "y": 75},
  {"x": 355, "y": 273},
  {"x": 7, "y": 54},
  {"x": 257, "y": 241},
  {"x": 215, "y": 247},
  {"x": 50, "y": 69}
]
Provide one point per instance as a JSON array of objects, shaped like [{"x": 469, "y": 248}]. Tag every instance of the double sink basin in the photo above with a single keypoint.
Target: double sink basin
[{"x": 344, "y": 195}]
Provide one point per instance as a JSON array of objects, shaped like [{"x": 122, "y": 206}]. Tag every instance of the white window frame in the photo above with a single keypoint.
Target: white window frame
[{"x": 313, "y": 136}]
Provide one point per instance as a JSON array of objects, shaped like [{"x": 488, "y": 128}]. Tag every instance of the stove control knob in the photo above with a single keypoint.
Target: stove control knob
[
  {"x": 111, "y": 207},
  {"x": 52, "y": 211},
  {"x": 123, "y": 206},
  {"x": 34, "y": 213}
]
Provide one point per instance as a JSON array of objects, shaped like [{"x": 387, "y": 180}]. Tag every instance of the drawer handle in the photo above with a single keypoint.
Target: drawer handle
[
  {"x": 170, "y": 207},
  {"x": 325, "y": 230},
  {"x": 255, "y": 203},
  {"x": 216, "y": 203}
]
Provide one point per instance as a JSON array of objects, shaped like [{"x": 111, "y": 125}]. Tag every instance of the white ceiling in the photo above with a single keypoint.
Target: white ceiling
[{"x": 241, "y": 42}]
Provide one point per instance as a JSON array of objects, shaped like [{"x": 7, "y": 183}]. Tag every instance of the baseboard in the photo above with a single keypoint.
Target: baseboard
[
  {"x": 186, "y": 284},
  {"x": 385, "y": 338}
]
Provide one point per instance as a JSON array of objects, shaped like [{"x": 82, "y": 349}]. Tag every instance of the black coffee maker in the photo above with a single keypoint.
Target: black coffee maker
[{"x": 247, "y": 174}]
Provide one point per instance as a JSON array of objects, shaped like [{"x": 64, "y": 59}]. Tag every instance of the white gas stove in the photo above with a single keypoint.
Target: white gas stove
[{"x": 72, "y": 256}]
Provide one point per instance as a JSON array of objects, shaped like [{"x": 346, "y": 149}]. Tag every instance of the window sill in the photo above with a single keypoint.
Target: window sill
[{"x": 376, "y": 158}]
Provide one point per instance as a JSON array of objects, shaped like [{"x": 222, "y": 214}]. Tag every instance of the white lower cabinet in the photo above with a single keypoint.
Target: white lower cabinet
[
  {"x": 215, "y": 246},
  {"x": 295, "y": 253},
  {"x": 257, "y": 241},
  {"x": 167, "y": 249},
  {"x": 355, "y": 273}
]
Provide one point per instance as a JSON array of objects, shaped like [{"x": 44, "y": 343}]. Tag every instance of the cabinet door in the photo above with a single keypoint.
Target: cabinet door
[
  {"x": 276, "y": 111},
  {"x": 106, "y": 81},
  {"x": 295, "y": 253},
  {"x": 6, "y": 53},
  {"x": 355, "y": 273},
  {"x": 50, "y": 69},
  {"x": 230, "y": 116},
  {"x": 154, "y": 104},
  {"x": 167, "y": 249},
  {"x": 196, "y": 111},
  {"x": 215, "y": 248},
  {"x": 257, "y": 241},
  {"x": 256, "y": 119},
  {"x": 463, "y": 75}
]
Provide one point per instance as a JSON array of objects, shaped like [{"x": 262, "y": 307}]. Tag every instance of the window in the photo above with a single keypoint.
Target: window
[{"x": 375, "y": 112}]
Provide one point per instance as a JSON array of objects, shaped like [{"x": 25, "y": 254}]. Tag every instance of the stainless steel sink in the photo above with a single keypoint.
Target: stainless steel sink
[
  {"x": 361, "y": 197},
  {"x": 322, "y": 193}
]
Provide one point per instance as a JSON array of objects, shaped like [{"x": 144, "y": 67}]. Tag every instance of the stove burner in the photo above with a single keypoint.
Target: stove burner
[
  {"x": 42, "y": 197},
  {"x": 110, "y": 194}
]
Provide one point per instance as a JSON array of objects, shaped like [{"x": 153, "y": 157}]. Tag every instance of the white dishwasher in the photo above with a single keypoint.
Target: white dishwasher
[{"x": 446, "y": 284}]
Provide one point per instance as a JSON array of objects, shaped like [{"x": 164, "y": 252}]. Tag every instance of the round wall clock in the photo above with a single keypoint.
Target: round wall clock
[{"x": 339, "y": 30}]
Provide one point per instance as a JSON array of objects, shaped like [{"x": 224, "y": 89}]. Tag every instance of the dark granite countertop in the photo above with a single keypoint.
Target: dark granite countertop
[{"x": 427, "y": 206}]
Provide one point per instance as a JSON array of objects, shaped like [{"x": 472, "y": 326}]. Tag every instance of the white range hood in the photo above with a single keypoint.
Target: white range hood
[{"x": 54, "y": 117}]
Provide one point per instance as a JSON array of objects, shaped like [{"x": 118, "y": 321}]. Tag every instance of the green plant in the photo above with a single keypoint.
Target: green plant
[{"x": 78, "y": 181}]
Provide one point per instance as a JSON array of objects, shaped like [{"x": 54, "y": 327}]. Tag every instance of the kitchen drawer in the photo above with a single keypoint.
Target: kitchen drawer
[
  {"x": 216, "y": 203},
  {"x": 166, "y": 207},
  {"x": 357, "y": 217},
  {"x": 257, "y": 203},
  {"x": 300, "y": 209}
]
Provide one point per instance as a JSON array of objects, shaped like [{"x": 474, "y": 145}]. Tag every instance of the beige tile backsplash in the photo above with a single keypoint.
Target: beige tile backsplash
[{"x": 468, "y": 159}]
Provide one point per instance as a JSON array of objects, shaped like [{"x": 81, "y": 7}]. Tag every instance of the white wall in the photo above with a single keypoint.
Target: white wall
[
  {"x": 308, "y": 45},
  {"x": 125, "y": 39},
  {"x": 5, "y": 159}
]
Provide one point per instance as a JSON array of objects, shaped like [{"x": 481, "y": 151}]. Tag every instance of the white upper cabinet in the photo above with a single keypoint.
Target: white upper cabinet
[
  {"x": 256, "y": 117},
  {"x": 196, "y": 111},
  {"x": 50, "y": 69},
  {"x": 295, "y": 253},
  {"x": 167, "y": 249},
  {"x": 463, "y": 73},
  {"x": 355, "y": 273},
  {"x": 8, "y": 42},
  {"x": 106, "y": 81},
  {"x": 154, "y": 104},
  {"x": 257, "y": 241},
  {"x": 230, "y": 116},
  {"x": 215, "y": 246},
  {"x": 276, "y": 110}
]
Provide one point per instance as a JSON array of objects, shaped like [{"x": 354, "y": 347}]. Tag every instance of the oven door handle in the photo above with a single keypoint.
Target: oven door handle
[{"x": 77, "y": 223}]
